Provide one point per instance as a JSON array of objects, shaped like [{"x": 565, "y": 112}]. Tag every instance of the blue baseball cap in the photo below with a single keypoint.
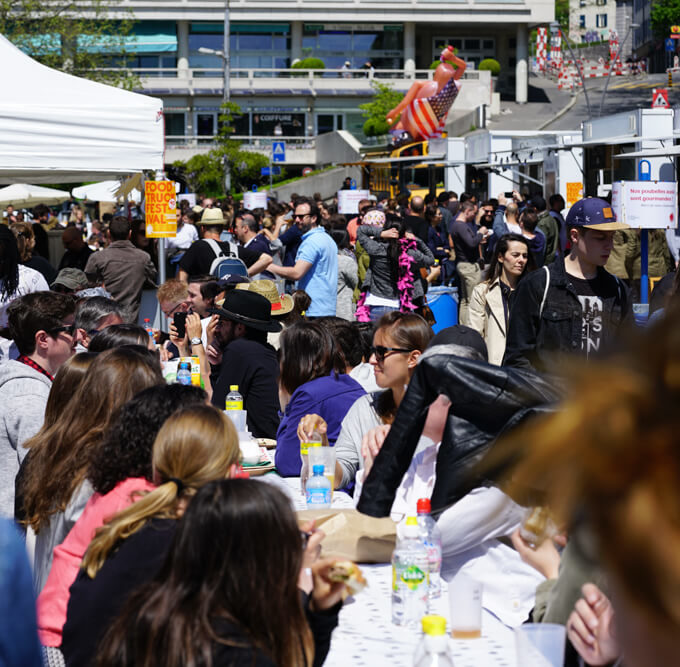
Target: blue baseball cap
[{"x": 594, "y": 213}]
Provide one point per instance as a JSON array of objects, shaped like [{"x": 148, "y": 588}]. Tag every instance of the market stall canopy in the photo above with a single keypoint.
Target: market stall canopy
[
  {"x": 58, "y": 128},
  {"x": 23, "y": 195},
  {"x": 109, "y": 191}
]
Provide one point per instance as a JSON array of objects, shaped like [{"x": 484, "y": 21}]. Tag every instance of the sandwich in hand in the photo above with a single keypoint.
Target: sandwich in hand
[{"x": 347, "y": 572}]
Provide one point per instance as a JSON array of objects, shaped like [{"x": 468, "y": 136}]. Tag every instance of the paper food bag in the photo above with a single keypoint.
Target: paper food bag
[{"x": 355, "y": 536}]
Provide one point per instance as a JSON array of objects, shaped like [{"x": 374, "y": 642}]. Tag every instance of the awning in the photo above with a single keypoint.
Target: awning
[
  {"x": 671, "y": 151},
  {"x": 146, "y": 37},
  {"x": 38, "y": 45}
]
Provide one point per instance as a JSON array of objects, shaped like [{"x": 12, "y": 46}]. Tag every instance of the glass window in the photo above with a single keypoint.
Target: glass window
[
  {"x": 205, "y": 124},
  {"x": 472, "y": 45},
  {"x": 324, "y": 123},
  {"x": 455, "y": 43},
  {"x": 174, "y": 124},
  {"x": 601, "y": 20},
  {"x": 489, "y": 44},
  {"x": 582, "y": 21},
  {"x": 335, "y": 41},
  {"x": 364, "y": 41}
]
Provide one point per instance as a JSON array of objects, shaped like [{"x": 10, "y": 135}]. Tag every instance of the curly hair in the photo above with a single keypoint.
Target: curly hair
[{"x": 126, "y": 448}]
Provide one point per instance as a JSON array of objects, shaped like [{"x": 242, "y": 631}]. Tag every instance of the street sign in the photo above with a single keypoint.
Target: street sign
[
  {"x": 278, "y": 151},
  {"x": 670, "y": 44},
  {"x": 270, "y": 171},
  {"x": 660, "y": 98}
]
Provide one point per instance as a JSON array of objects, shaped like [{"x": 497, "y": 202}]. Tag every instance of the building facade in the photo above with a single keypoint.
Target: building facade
[{"x": 399, "y": 38}]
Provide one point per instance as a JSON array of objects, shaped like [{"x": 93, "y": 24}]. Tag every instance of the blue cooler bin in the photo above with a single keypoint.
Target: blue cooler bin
[{"x": 444, "y": 304}]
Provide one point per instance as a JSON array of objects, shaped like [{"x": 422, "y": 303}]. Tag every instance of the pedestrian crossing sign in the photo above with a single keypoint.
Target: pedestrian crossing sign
[
  {"x": 278, "y": 151},
  {"x": 660, "y": 98}
]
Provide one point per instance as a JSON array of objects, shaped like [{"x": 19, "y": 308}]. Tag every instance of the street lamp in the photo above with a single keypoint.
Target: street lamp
[
  {"x": 611, "y": 67},
  {"x": 226, "y": 75}
]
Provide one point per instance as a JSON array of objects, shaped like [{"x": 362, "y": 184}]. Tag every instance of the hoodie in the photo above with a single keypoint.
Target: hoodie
[{"x": 23, "y": 397}]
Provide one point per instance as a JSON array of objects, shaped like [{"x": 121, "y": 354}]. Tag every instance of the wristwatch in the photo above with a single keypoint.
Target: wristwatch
[{"x": 196, "y": 341}]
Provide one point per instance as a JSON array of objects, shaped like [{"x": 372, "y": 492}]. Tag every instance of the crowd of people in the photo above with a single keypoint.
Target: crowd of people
[{"x": 127, "y": 487}]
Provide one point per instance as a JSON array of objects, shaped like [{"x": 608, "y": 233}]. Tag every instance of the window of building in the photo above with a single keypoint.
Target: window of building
[
  {"x": 600, "y": 3},
  {"x": 582, "y": 21},
  {"x": 581, "y": 3},
  {"x": 250, "y": 45},
  {"x": 601, "y": 21},
  {"x": 381, "y": 45},
  {"x": 470, "y": 50},
  {"x": 175, "y": 123}
]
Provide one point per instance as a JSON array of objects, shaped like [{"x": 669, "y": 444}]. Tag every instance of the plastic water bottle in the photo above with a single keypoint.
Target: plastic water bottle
[
  {"x": 318, "y": 490},
  {"x": 149, "y": 328},
  {"x": 432, "y": 539},
  {"x": 433, "y": 650},
  {"x": 184, "y": 373},
  {"x": 314, "y": 440},
  {"x": 409, "y": 576},
  {"x": 234, "y": 399}
]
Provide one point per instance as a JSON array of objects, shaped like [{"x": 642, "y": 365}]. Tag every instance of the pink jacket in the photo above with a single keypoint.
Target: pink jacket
[{"x": 53, "y": 600}]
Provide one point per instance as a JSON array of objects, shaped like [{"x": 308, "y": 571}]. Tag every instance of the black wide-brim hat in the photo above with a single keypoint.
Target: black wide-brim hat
[{"x": 249, "y": 308}]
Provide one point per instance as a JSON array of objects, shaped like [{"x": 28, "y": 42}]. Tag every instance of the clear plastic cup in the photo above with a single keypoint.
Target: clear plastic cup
[
  {"x": 465, "y": 605},
  {"x": 324, "y": 456},
  {"x": 238, "y": 417},
  {"x": 540, "y": 644}
]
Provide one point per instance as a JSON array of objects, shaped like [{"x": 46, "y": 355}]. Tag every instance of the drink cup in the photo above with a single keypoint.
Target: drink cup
[
  {"x": 465, "y": 605},
  {"x": 324, "y": 456},
  {"x": 540, "y": 644},
  {"x": 238, "y": 417}
]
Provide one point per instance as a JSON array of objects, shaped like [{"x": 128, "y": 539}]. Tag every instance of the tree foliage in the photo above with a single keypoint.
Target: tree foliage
[
  {"x": 664, "y": 14},
  {"x": 205, "y": 172},
  {"x": 562, "y": 14},
  {"x": 384, "y": 100},
  {"x": 69, "y": 36}
]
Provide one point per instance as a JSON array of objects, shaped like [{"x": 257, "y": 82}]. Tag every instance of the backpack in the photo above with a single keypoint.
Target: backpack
[{"x": 223, "y": 265}]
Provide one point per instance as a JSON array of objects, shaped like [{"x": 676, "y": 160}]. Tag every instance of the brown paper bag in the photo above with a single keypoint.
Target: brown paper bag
[{"x": 355, "y": 536}]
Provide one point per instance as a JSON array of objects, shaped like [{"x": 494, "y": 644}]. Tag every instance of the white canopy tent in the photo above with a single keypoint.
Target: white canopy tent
[
  {"x": 107, "y": 191},
  {"x": 56, "y": 128},
  {"x": 23, "y": 195}
]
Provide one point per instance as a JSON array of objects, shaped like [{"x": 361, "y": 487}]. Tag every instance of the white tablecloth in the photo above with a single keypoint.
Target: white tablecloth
[
  {"x": 366, "y": 636},
  {"x": 291, "y": 487}
]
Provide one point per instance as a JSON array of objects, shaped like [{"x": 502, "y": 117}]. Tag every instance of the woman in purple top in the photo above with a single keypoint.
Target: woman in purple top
[{"x": 312, "y": 379}]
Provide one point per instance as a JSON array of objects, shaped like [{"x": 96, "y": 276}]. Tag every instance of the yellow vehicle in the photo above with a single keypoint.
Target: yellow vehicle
[{"x": 399, "y": 170}]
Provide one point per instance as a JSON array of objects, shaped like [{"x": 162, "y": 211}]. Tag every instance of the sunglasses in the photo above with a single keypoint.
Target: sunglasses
[
  {"x": 299, "y": 216},
  {"x": 69, "y": 329},
  {"x": 381, "y": 351}
]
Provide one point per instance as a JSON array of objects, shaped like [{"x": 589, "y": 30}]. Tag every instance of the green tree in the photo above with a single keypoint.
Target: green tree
[
  {"x": 664, "y": 14},
  {"x": 59, "y": 36},
  {"x": 562, "y": 14},
  {"x": 384, "y": 100},
  {"x": 205, "y": 172}
]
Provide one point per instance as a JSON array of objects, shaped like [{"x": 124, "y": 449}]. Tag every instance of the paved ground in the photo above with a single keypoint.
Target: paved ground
[{"x": 546, "y": 101}]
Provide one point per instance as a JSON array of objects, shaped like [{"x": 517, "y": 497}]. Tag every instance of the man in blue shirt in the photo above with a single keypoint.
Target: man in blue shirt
[{"x": 316, "y": 262}]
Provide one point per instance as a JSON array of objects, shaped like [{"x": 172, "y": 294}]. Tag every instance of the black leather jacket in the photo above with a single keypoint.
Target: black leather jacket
[
  {"x": 543, "y": 331},
  {"x": 485, "y": 400}
]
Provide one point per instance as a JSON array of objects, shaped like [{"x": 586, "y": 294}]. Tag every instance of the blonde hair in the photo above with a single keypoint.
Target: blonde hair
[
  {"x": 195, "y": 446},
  {"x": 172, "y": 290},
  {"x": 23, "y": 232},
  {"x": 609, "y": 458}
]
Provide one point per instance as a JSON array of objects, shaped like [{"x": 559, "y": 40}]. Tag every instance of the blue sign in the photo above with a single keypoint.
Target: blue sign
[
  {"x": 278, "y": 151},
  {"x": 670, "y": 44},
  {"x": 273, "y": 171}
]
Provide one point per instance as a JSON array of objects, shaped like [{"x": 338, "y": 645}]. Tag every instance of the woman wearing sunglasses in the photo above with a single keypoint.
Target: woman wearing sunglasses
[{"x": 398, "y": 342}]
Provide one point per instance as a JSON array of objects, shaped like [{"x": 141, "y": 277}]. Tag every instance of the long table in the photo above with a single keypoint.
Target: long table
[{"x": 365, "y": 635}]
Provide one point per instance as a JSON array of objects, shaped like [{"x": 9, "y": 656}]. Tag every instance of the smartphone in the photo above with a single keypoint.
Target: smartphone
[
  {"x": 180, "y": 322},
  {"x": 508, "y": 195}
]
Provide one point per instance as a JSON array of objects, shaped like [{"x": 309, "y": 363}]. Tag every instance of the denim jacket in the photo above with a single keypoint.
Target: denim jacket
[{"x": 545, "y": 326}]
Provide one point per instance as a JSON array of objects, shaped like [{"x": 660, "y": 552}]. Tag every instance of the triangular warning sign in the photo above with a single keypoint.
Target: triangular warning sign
[
  {"x": 660, "y": 99},
  {"x": 278, "y": 149}
]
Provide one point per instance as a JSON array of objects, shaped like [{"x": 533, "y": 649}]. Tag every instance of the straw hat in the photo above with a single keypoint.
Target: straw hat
[
  {"x": 282, "y": 304},
  {"x": 212, "y": 216},
  {"x": 197, "y": 209}
]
